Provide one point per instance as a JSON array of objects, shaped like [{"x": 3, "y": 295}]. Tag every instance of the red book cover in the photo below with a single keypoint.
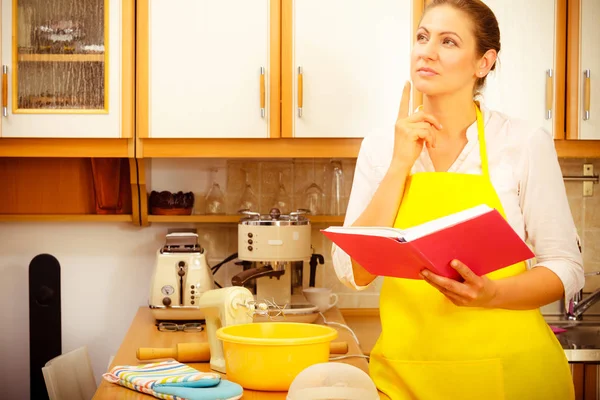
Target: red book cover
[{"x": 484, "y": 243}]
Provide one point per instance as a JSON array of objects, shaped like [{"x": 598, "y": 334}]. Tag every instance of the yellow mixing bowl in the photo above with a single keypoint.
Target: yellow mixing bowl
[{"x": 269, "y": 355}]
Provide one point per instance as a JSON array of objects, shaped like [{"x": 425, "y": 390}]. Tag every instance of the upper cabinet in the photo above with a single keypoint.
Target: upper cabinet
[
  {"x": 208, "y": 68},
  {"x": 583, "y": 90},
  {"x": 344, "y": 64},
  {"x": 529, "y": 75},
  {"x": 67, "y": 69}
]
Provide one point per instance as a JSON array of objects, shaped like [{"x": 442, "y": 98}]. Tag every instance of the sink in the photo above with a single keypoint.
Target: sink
[{"x": 581, "y": 341}]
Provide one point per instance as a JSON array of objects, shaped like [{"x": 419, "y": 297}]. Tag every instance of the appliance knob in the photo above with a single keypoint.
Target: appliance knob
[
  {"x": 167, "y": 301},
  {"x": 250, "y": 241},
  {"x": 250, "y": 234},
  {"x": 249, "y": 248},
  {"x": 181, "y": 264}
]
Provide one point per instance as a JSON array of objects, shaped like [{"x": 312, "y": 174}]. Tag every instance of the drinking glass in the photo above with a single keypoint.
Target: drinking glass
[
  {"x": 313, "y": 196},
  {"x": 215, "y": 199},
  {"x": 282, "y": 199},
  {"x": 337, "y": 189},
  {"x": 248, "y": 201}
]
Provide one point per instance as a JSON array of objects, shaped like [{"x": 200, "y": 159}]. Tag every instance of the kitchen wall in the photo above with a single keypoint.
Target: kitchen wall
[{"x": 106, "y": 267}]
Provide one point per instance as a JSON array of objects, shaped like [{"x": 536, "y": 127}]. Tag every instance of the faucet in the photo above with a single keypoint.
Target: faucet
[{"x": 578, "y": 305}]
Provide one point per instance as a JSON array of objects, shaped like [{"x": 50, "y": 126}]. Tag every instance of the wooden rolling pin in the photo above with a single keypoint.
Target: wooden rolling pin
[{"x": 200, "y": 352}]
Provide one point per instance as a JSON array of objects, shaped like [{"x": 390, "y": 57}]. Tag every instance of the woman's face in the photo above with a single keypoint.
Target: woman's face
[{"x": 443, "y": 58}]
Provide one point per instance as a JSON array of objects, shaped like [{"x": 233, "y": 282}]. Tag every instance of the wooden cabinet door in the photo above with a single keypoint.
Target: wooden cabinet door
[
  {"x": 63, "y": 68},
  {"x": 344, "y": 64},
  {"x": 589, "y": 70},
  {"x": 526, "y": 80},
  {"x": 201, "y": 65}
]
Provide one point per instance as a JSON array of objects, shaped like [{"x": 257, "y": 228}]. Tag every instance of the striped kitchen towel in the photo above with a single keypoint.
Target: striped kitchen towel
[{"x": 172, "y": 380}]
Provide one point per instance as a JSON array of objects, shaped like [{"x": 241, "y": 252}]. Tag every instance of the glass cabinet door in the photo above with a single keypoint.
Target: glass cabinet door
[{"x": 59, "y": 60}]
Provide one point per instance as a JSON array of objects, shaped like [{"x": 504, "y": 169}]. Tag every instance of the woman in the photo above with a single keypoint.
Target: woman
[{"x": 483, "y": 337}]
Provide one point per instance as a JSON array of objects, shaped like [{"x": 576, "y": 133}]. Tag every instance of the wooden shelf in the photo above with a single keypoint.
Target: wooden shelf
[
  {"x": 61, "y": 57},
  {"x": 67, "y": 189},
  {"x": 250, "y": 148},
  {"x": 227, "y": 219},
  {"x": 34, "y": 147},
  {"x": 65, "y": 218}
]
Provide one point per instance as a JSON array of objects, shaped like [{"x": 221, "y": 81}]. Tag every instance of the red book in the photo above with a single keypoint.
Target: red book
[{"x": 479, "y": 237}]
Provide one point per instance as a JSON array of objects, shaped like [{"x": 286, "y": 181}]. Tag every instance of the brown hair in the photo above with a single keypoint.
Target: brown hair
[{"x": 485, "y": 26}]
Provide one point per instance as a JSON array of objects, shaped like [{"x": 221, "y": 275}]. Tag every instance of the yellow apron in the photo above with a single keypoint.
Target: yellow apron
[{"x": 430, "y": 349}]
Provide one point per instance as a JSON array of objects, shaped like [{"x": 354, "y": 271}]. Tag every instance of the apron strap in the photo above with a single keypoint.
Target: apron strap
[{"x": 481, "y": 137}]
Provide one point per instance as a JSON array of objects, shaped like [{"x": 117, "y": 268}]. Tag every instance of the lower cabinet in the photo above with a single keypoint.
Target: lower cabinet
[{"x": 585, "y": 379}]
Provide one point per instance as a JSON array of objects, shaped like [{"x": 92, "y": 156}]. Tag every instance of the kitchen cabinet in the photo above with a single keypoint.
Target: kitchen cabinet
[
  {"x": 583, "y": 107},
  {"x": 208, "y": 69},
  {"x": 585, "y": 380},
  {"x": 529, "y": 76},
  {"x": 67, "y": 70},
  {"x": 344, "y": 64}
]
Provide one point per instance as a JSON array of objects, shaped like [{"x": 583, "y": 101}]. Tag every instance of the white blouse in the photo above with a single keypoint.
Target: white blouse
[{"x": 525, "y": 172}]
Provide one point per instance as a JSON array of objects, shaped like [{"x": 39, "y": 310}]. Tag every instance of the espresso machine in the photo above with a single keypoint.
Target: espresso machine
[
  {"x": 181, "y": 275},
  {"x": 271, "y": 245}
]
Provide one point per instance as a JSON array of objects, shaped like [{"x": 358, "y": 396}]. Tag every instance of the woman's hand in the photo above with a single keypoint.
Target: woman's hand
[
  {"x": 411, "y": 132},
  {"x": 475, "y": 291}
]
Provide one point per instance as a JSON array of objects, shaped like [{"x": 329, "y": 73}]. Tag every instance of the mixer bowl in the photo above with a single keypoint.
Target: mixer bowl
[{"x": 268, "y": 356}]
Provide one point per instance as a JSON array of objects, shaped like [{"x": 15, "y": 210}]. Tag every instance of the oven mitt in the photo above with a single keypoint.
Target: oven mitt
[
  {"x": 225, "y": 390},
  {"x": 163, "y": 379}
]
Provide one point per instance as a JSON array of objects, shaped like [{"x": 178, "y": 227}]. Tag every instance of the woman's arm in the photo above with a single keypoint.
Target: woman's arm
[
  {"x": 549, "y": 226},
  {"x": 381, "y": 211},
  {"x": 411, "y": 133},
  {"x": 374, "y": 195}
]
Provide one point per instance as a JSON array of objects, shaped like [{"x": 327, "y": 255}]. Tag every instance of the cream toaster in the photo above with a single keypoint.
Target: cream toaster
[{"x": 181, "y": 275}]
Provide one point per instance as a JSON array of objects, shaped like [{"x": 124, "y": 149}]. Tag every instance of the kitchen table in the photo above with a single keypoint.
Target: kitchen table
[{"x": 143, "y": 333}]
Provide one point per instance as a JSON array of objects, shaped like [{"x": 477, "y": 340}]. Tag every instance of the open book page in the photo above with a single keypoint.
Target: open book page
[
  {"x": 417, "y": 231},
  {"x": 435, "y": 225},
  {"x": 368, "y": 231}
]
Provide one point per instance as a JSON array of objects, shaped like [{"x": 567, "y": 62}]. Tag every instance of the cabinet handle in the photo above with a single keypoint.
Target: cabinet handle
[
  {"x": 300, "y": 92},
  {"x": 262, "y": 92},
  {"x": 4, "y": 91},
  {"x": 549, "y": 93},
  {"x": 586, "y": 94}
]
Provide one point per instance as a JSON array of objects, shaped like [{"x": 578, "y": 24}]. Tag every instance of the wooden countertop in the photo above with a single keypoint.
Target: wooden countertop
[{"x": 143, "y": 333}]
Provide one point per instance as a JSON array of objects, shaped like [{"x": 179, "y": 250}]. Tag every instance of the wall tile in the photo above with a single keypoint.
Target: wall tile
[
  {"x": 309, "y": 176},
  {"x": 592, "y": 282},
  {"x": 591, "y": 249},
  {"x": 591, "y": 209},
  {"x": 236, "y": 184},
  {"x": 370, "y": 300},
  {"x": 269, "y": 189},
  {"x": 348, "y": 300},
  {"x": 576, "y": 203}
]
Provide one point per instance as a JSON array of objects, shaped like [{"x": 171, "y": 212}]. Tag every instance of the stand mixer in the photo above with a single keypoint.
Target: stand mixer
[
  {"x": 224, "y": 307},
  {"x": 273, "y": 243},
  {"x": 181, "y": 276}
]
